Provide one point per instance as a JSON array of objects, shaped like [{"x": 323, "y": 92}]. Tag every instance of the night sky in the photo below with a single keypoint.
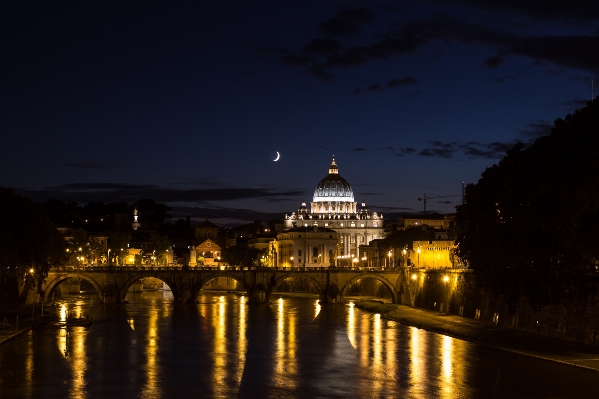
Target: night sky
[{"x": 186, "y": 103}]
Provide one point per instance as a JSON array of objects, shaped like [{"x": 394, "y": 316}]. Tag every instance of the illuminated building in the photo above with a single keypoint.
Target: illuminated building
[{"x": 333, "y": 207}]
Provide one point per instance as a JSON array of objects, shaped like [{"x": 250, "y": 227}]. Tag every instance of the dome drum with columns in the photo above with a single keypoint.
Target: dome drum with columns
[{"x": 333, "y": 207}]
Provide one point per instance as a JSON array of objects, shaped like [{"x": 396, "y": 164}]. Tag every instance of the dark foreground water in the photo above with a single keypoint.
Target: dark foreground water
[{"x": 291, "y": 348}]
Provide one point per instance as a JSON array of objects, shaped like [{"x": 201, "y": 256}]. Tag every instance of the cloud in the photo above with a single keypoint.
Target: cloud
[
  {"x": 493, "y": 62},
  {"x": 297, "y": 59},
  {"x": 321, "y": 56},
  {"x": 230, "y": 216},
  {"x": 406, "y": 80},
  {"x": 400, "y": 152},
  {"x": 535, "y": 129},
  {"x": 116, "y": 192},
  {"x": 439, "y": 149},
  {"x": 322, "y": 147},
  {"x": 321, "y": 46},
  {"x": 580, "y": 11},
  {"x": 491, "y": 150},
  {"x": 359, "y": 149},
  {"x": 92, "y": 165},
  {"x": 391, "y": 84},
  {"x": 374, "y": 87},
  {"x": 347, "y": 22}
]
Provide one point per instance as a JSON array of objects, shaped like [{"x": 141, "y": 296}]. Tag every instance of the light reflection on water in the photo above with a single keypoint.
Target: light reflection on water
[{"x": 293, "y": 347}]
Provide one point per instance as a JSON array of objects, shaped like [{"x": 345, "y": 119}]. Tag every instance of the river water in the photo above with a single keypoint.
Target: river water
[{"x": 290, "y": 348}]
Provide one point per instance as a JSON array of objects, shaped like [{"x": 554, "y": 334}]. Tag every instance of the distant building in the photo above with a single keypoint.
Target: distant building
[
  {"x": 442, "y": 224},
  {"x": 333, "y": 207},
  {"x": 434, "y": 254},
  {"x": 205, "y": 230},
  {"x": 304, "y": 247}
]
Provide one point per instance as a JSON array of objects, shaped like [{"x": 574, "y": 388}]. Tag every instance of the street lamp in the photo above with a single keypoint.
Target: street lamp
[
  {"x": 419, "y": 257},
  {"x": 109, "y": 257},
  {"x": 404, "y": 257},
  {"x": 389, "y": 260},
  {"x": 31, "y": 271},
  {"x": 355, "y": 262},
  {"x": 291, "y": 261}
]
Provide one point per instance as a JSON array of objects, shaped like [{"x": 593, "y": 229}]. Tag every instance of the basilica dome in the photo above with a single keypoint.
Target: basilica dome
[{"x": 333, "y": 187}]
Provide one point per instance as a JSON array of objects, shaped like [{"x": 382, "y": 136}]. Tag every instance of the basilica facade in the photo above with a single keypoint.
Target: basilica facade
[{"x": 333, "y": 207}]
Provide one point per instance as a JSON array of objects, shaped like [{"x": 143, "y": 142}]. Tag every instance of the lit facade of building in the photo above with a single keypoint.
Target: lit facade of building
[
  {"x": 434, "y": 254},
  {"x": 333, "y": 207},
  {"x": 304, "y": 247}
]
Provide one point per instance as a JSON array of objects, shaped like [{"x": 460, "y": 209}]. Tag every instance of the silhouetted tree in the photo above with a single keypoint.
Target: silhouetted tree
[
  {"x": 28, "y": 241},
  {"x": 530, "y": 226}
]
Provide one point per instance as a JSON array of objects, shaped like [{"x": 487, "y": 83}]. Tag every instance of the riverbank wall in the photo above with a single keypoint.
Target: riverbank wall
[{"x": 455, "y": 292}]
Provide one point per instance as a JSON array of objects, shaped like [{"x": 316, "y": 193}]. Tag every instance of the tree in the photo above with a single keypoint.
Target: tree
[
  {"x": 82, "y": 249},
  {"x": 29, "y": 243},
  {"x": 118, "y": 243},
  {"x": 531, "y": 223},
  {"x": 159, "y": 246},
  {"x": 241, "y": 255}
]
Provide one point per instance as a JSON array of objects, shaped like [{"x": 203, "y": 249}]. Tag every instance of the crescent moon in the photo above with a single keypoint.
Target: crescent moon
[{"x": 278, "y": 156}]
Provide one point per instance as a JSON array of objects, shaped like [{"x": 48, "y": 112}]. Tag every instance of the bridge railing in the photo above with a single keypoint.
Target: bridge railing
[{"x": 74, "y": 269}]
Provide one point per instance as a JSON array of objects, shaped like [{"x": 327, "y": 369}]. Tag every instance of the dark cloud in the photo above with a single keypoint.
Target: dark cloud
[
  {"x": 321, "y": 46},
  {"x": 565, "y": 51},
  {"x": 374, "y": 87},
  {"x": 578, "y": 11},
  {"x": 214, "y": 213},
  {"x": 320, "y": 72},
  {"x": 348, "y": 22},
  {"x": 494, "y": 150},
  {"x": 393, "y": 83},
  {"x": 535, "y": 129},
  {"x": 339, "y": 27},
  {"x": 493, "y": 62},
  {"x": 361, "y": 15},
  {"x": 359, "y": 149},
  {"x": 321, "y": 147},
  {"x": 116, "y": 192},
  {"x": 562, "y": 51},
  {"x": 297, "y": 60},
  {"x": 415, "y": 94},
  {"x": 406, "y": 80},
  {"x": 92, "y": 165},
  {"x": 445, "y": 202},
  {"x": 400, "y": 152}
]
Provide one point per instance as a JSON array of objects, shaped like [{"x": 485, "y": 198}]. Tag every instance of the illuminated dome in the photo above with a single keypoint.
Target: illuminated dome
[{"x": 333, "y": 187}]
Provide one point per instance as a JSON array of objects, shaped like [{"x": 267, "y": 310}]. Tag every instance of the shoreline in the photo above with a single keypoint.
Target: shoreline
[{"x": 512, "y": 340}]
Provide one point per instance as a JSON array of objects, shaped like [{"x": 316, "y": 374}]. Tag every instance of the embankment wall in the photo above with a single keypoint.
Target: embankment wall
[{"x": 459, "y": 295}]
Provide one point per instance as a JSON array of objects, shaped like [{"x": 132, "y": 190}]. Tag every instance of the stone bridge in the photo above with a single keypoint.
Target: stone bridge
[{"x": 113, "y": 283}]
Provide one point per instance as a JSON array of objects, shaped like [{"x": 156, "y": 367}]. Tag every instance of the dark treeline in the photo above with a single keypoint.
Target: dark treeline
[
  {"x": 530, "y": 226},
  {"x": 97, "y": 216}
]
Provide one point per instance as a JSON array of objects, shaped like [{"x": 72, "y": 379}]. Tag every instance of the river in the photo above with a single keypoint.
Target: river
[{"x": 290, "y": 348}]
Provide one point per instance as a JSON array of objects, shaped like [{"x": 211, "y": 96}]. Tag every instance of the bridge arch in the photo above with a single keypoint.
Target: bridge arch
[
  {"x": 317, "y": 284},
  {"x": 124, "y": 288},
  {"x": 205, "y": 280},
  {"x": 395, "y": 298},
  {"x": 52, "y": 284}
]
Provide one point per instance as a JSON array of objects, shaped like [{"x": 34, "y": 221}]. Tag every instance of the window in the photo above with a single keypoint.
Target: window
[
  {"x": 331, "y": 236},
  {"x": 299, "y": 253},
  {"x": 361, "y": 224},
  {"x": 300, "y": 236},
  {"x": 315, "y": 252}
]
